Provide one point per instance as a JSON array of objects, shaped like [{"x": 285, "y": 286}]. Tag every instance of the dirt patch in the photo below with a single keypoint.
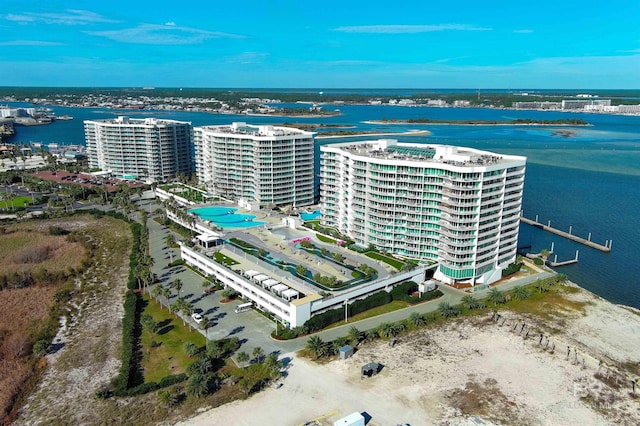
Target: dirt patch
[{"x": 485, "y": 400}]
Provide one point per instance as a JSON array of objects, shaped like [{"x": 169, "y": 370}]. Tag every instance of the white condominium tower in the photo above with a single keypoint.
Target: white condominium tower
[
  {"x": 148, "y": 149},
  {"x": 265, "y": 164},
  {"x": 456, "y": 206}
]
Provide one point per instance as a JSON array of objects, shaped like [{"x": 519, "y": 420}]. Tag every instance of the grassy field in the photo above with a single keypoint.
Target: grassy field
[
  {"x": 24, "y": 247},
  {"x": 386, "y": 259},
  {"x": 28, "y": 249},
  {"x": 548, "y": 305},
  {"x": 168, "y": 358},
  {"x": 16, "y": 203}
]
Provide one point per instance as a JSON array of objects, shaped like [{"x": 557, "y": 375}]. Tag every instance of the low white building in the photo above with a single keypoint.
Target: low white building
[{"x": 291, "y": 307}]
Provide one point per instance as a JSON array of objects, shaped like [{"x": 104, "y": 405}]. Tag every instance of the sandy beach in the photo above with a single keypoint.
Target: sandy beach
[{"x": 470, "y": 370}]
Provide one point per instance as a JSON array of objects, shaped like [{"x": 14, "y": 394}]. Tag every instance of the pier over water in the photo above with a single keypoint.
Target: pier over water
[{"x": 587, "y": 242}]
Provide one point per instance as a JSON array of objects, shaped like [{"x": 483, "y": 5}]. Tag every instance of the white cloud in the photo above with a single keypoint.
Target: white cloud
[
  {"x": 161, "y": 34},
  {"x": 29, "y": 43},
  {"x": 170, "y": 24},
  {"x": 523, "y": 31},
  {"x": 69, "y": 17},
  {"x": 408, "y": 29}
]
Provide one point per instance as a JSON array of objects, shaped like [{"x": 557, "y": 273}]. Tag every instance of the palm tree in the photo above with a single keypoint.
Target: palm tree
[
  {"x": 197, "y": 386},
  {"x": 246, "y": 385},
  {"x": 398, "y": 328},
  {"x": 446, "y": 310},
  {"x": 177, "y": 284},
  {"x": 316, "y": 345},
  {"x": 496, "y": 297},
  {"x": 386, "y": 330},
  {"x": 355, "y": 336},
  {"x": 521, "y": 293},
  {"x": 272, "y": 365},
  {"x": 205, "y": 324},
  {"x": 416, "y": 319},
  {"x": 469, "y": 302},
  {"x": 258, "y": 353},
  {"x": 542, "y": 286},
  {"x": 187, "y": 311},
  {"x": 167, "y": 398},
  {"x": 243, "y": 357},
  {"x": 338, "y": 343},
  {"x": 166, "y": 293},
  {"x": 156, "y": 292},
  {"x": 191, "y": 349}
]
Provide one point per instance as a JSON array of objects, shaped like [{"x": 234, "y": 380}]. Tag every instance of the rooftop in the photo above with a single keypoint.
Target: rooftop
[
  {"x": 390, "y": 149},
  {"x": 239, "y": 128},
  {"x": 137, "y": 121}
]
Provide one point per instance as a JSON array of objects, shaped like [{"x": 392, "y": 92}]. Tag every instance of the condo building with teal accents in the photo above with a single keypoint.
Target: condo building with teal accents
[
  {"x": 457, "y": 206},
  {"x": 270, "y": 165},
  {"x": 146, "y": 149}
]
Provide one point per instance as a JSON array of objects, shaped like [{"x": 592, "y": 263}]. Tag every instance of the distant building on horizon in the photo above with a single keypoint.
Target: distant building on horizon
[
  {"x": 147, "y": 149},
  {"x": 456, "y": 206},
  {"x": 265, "y": 164}
]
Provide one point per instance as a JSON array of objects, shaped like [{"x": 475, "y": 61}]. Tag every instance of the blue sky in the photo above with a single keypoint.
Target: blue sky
[{"x": 322, "y": 44}]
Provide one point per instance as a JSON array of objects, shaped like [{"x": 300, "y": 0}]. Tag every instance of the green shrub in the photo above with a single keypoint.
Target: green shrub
[
  {"x": 404, "y": 291},
  {"x": 374, "y": 300},
  {"x": 538, "y": 261},
  {"x": 104, "y": 393},
  {"x": 128, "y": 368},
  {"x": 511, "y": 269},
  {"x": 320, "y": 321}
]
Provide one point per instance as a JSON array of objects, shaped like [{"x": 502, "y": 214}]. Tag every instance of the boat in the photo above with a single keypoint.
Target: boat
[{"x": 65, "y": 117}]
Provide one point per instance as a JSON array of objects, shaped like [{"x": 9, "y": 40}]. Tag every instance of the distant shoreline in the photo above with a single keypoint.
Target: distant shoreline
[
  {"x": 294, "y": 115},
  {"x": 462, "y": 123},
  {"x": 409, "y": 133}
]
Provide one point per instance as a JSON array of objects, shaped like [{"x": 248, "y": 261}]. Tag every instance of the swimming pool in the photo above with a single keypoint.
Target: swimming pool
[
  {"x": 226, "y": 217},
  {"x": 311, "y": 216}
]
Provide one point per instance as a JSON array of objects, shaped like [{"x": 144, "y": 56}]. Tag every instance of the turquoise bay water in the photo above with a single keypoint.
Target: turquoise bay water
[
  {"x": 590, "y": 181},
  {"x": 226, "y": 217}
]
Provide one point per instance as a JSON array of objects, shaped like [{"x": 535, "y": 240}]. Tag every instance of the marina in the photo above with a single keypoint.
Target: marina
[{"x": 568, "y": 235}]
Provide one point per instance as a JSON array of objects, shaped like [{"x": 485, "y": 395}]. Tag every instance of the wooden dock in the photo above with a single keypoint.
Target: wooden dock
[
  {"x": 568, "y": 235},
  {"x": 557, "y": 264}
]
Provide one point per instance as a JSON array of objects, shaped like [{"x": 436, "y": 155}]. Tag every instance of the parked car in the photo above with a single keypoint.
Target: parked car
[{"x": 197, "y": 317}]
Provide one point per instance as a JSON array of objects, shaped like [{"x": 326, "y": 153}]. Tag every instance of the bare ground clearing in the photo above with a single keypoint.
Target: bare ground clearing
[{"x": 466, "y": 369}]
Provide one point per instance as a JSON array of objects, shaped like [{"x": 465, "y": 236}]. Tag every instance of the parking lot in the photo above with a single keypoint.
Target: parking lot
[{"x": 252, "y": 328}]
